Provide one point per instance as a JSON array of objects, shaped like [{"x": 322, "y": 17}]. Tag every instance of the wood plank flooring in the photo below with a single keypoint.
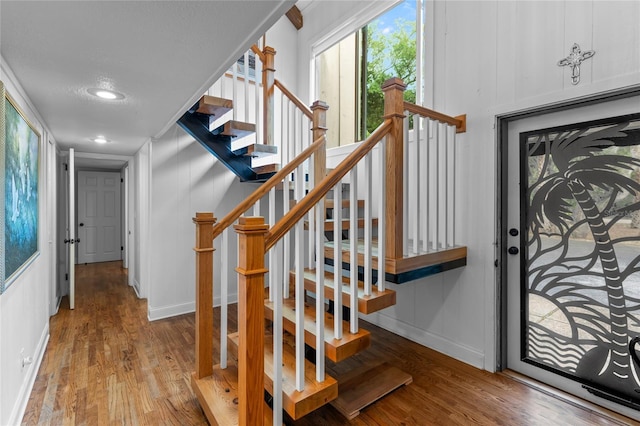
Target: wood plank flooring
[{"x": 105, "y": 364}]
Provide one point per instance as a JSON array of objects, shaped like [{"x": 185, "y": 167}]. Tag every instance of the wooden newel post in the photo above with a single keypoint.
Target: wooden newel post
[
  {"x": 319, "y": 129},
  {"x": 394, "y": 109},
  {"x": 204, "y": 293},
  {"x": 251, "y": 234},
  {"x": 268, "y": 86}
]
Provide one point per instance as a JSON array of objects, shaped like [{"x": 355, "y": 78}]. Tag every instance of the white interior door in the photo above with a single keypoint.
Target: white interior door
[
  {"x": 99, "y": 216},
  {"x": 574, "y": 251},
  {"x": 72, "y": 230}
]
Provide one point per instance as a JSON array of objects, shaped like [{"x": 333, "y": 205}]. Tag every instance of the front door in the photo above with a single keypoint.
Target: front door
[
  {"x": 99, "y": 217},
  {"x": 573, "y": 268}
]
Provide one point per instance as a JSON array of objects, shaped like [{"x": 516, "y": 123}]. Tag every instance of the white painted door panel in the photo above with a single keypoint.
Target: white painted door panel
[
  {"x": 99, "y": 217},
  {"x": 71, "y": 241}
]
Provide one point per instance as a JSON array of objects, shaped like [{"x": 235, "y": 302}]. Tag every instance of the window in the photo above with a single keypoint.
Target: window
[{"x": 351, "y": 72}]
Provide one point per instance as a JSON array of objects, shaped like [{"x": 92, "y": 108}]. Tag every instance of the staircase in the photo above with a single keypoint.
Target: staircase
[
  {"x": 326, "y": 239},
  {"x": 202, "y": 121}
]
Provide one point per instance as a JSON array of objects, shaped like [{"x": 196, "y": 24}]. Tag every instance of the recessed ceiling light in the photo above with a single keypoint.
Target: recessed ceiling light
[
  {"x": 105, "y": 94},
  {"x": 100, "y": 139}
]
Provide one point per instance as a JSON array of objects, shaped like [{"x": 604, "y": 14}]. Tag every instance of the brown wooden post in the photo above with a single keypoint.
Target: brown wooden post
[
  {"x": 268, "y": 86},
  {"x": 251, "y": 233},
  {"x": 204, "y": 293},
  {"x": 319, "y": 128},
  {"x": 394, "y": 109}
]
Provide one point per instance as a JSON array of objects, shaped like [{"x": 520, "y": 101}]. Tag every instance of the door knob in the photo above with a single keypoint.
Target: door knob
[
  {"x": 513, "y": 232},
  {"x": 81, "y": 224},
  {"x": 513, "y": 250}
]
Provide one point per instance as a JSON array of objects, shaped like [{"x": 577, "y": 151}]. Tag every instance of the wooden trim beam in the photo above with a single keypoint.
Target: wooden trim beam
[
  {"x": 256, "y": 50},
  {"x": 295, "y": 16},
  {"x": 204, "y": 294},
  {"x": 251, "y": 232}
]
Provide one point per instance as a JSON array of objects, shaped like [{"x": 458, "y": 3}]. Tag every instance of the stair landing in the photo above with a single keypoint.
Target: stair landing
[{"x": 405, "y": 269}]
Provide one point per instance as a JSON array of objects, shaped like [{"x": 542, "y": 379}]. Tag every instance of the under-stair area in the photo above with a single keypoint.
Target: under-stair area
[{"x": 328, "y": 240}]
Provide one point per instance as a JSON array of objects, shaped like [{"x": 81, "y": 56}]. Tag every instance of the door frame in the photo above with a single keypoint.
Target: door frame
[
  {"x": 127, "y": 162},
  {"x": 502, "y": 122}
]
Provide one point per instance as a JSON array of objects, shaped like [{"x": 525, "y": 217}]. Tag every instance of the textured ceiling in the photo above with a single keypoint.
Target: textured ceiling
[{"x": 162, "y": 55}]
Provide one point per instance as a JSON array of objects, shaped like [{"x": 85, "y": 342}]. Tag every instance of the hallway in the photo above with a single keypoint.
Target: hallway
[{"x": 106, "y": 364}]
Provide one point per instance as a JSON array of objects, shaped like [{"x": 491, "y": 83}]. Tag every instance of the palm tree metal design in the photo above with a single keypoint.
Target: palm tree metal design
[{"x": 572, "y": 173}]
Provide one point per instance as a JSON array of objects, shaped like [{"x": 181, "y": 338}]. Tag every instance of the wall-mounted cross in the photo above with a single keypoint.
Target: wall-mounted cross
[{"x": 574, "y": 60}]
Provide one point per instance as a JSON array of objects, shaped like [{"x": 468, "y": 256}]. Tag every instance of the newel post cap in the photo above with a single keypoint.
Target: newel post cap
[{"x": 394, "y": 83}]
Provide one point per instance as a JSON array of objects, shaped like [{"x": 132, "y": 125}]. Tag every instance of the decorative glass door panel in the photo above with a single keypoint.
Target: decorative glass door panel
[{"x": 577, "y": 266}]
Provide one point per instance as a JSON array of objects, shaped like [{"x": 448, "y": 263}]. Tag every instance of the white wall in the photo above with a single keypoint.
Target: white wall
[
  {"x": 186, "y": 179},
  {"x": 488, "y": 58},
  {"x": 492, "y": 58},
  {"x": 25, "y": 305}
]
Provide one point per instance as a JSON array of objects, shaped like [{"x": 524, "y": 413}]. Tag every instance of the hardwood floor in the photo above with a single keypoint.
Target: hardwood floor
[{"x": 106, "y": 364}]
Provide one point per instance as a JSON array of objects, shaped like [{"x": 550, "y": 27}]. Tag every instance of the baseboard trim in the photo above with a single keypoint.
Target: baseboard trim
[
  {"x": 27, "y": 385},
  {"x": 454, "y": 350},
  {"x": 155, "y": 314}
]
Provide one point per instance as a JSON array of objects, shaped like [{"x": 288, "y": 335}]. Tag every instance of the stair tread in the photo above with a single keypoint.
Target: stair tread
[
  {"x": 296, "y": 404},
  {"x": 238, "y": 129},
  {"x": 267, "y": 168},
  {"x": 360, "y": 388},
  {"x": 261, "y": 150},
  {"x": 376, "y": 301},
  {"x": 218, "y": 396},
  {"x": 212, "y": 105},
  {"x": 335, "y": 349}
]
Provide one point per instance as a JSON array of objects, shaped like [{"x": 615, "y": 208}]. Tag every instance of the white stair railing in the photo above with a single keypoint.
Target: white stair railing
[{"x": 430, "y": 180}]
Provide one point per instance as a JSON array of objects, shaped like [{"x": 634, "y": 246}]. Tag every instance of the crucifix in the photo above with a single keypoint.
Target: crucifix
[{"x": 574, "y": 60}]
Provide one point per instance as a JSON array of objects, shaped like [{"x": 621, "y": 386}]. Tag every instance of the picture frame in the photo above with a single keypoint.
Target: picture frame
[{"x": 20, "y": 191}]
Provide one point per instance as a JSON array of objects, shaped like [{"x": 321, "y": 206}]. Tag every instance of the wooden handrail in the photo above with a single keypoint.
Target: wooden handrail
[
  {"x": 293, "y": 98},
  {"x": 255, "y": 49},
  {"x": 426, "y": 112},
  {"x": 287, "y": 222},
  {"x": 234, "y": 214}
]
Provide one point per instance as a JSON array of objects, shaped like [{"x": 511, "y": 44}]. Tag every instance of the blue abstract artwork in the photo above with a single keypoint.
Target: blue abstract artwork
[{"x": 20, "y": 192}]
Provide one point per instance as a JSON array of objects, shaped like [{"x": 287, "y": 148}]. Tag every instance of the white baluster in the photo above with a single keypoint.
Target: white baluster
[
  {"x": 425, "y": 184},
  {"x": 273, "y": 260},
  {"x": 382, "y": 216},
  {"x": 224, "y": 298},
  {"x": 436, "y": 186},
  {"x": 337, "y": 260},
  {"x": 277, "y": 340},
  {"x": 368, "y": 219},
  {"x": 445, "y": 192},
  {"x": 415, "y": 184},
  {"x": 353, "y": 240},
  {"x": 320, "y": 291},
  {"x": 405, "y": 186}
]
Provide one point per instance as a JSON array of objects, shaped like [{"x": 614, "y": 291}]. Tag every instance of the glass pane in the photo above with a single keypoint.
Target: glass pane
[{"x": 581, "y": 252}]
